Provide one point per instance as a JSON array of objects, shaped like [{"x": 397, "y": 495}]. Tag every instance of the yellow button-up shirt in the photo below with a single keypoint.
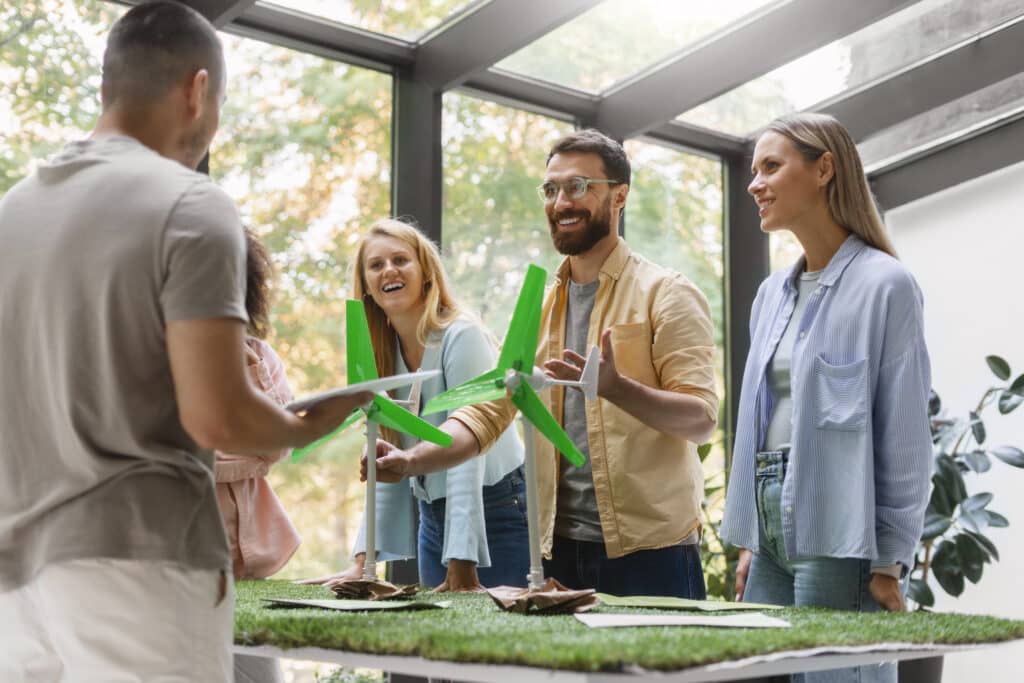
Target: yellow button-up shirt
[{"x": 648, "y": 485}]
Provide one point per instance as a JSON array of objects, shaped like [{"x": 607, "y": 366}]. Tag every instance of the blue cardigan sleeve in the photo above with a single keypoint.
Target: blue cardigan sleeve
[
  {"x": 396, "y": 523},
  {"x": 466, "y": 353}
]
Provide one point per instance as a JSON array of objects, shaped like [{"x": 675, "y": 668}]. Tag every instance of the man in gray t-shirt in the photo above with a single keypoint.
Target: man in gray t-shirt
[{"x": 122, "y": 289}]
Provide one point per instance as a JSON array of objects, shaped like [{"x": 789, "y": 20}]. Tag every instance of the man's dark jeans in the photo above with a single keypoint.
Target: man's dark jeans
[{"x": 675, "y": 571}]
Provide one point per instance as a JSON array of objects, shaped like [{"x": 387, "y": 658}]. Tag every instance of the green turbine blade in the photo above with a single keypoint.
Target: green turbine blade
[
  {"x": 489, "y": 386},
  {"x": 390, "y": 414},
  {"x": 520, "y": 348},
  {"x": 526, "y": 400},
  {"x": 362, "y": 366},
  {"x": 299, "y": 453}
]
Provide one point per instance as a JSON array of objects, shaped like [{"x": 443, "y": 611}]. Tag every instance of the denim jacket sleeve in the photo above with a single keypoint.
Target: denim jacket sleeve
[
  {"x": 467, "y": 353},
  {"x": 902, "y": 438}
]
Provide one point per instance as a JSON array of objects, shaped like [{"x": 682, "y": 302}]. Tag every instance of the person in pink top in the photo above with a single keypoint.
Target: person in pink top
[{"x": 262, "y": 537}]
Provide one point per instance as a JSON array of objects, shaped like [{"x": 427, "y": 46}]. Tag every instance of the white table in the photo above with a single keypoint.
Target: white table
[{"x": 761, "y": 666}]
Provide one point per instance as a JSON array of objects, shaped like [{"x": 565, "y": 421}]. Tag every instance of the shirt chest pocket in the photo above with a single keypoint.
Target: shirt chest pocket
[
  {"x": 631, "y": 344},
  {"x": 839, "y": 394}
]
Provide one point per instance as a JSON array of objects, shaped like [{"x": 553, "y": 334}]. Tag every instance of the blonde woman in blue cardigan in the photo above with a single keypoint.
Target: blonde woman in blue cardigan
[
  {"x": 832, "y": 463},
  {"x": 472, "y": 529}
]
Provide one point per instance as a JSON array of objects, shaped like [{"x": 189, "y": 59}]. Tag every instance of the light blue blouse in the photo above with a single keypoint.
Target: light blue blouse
[
  {"x": 462, "y": 351},
  {"x": 861, "y": 453}
]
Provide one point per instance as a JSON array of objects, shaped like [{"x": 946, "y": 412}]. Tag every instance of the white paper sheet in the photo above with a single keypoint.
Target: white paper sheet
[{"x": 746, "y": 620}]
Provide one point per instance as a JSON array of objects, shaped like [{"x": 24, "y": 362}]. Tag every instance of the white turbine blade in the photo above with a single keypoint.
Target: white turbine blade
[
  {"x": 588, "y": 380},
  {"x": 373, "y": 386}
]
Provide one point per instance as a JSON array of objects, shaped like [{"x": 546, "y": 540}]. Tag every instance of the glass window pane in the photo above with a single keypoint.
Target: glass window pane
[
  {"x": 620, "y": 37},
  {"x": 898, "y": 41},
  {"x": 51, "y": 57},
  {"x": 398, "y": 18},
  {"x": 1004, "y": 99},
  {"x": 304, "y": 149},
  {"x": 494, "y": 224}
]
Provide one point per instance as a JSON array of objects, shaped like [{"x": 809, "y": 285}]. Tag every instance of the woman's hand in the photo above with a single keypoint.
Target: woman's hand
[
  {"x": 742, "y": 570},
  {"x": 352, "y": 573},
  {"x": 461, "y": 578},
  {"x": 885, "y": 590},
  {"x": 393, "y": 464}
]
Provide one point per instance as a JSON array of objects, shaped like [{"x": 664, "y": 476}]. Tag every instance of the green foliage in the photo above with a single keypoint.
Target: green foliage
[
  {"x": 49, "y": 77},
  {"x": 954, "y": 548},
  {"x": 719, "y": 560},
  {"x": 473, "y": 629}
]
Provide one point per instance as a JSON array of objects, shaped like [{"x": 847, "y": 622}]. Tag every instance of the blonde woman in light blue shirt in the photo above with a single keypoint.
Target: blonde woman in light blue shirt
[
  {"x": 472, "y": 530},
  {"x": 832, "y": 462}
]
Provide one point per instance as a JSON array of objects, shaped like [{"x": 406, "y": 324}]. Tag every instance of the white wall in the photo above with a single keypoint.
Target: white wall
[{"x": 966, "y": 247}]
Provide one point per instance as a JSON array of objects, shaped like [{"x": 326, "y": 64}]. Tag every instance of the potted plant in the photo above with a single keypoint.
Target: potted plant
[{"x": 954, "y": 547}]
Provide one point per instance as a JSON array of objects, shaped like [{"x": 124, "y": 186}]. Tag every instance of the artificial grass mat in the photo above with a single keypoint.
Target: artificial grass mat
[{"x": 474, "y": 630}]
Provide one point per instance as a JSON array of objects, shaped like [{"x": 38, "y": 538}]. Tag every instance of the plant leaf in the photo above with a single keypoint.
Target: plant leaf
[
  {"x": 939, "y": 501},
  {"x": 1011, "y": 455},
  {"x": 996, "y": 520},
  {"x": 999, "y": 367},
  {"x": 986, "y": 544},
  {"x": 946, "y": 567},
  {"x": 1009, "y": 401},
  {"x": 972, "y": 558},
  {"x": 949, "y": 477},
  {"x": 935, "y": 403},
  {"x": 978, "y": 461},
  {"x": 934, "y": 526},
  {"x": 973, "y": 521},
  {"x": 703, "y": 450},
  {"x": 977, "y": 428},
  {"x": 1018, "y": 385},
  {"x": 920, "y": 592},
  {"x": 976, "y": 502}
]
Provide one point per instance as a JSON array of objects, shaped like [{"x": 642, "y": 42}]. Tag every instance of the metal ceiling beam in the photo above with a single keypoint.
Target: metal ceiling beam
[
  {"x": 525, "y": 92},
  {"x": 299, "y": 31},
  {"x": 487, "y": 35},
  {"x": 954, "y": 73},
  {"x": 699, "y": 139},
  {"x": 985, "y": 152},
  {"x": 724, "y": 61},
  {"x": 551, "y": 100},
  {"x": 220, "y": 12}
]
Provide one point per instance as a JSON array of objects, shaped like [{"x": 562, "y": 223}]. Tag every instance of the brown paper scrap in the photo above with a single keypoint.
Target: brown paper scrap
[
  {"x": 363, "y": 589},
  {"x": 554, "y": 598}
]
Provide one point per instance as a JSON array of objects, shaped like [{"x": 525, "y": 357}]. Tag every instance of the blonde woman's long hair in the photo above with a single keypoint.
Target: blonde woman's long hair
[
  {"x": 850, "y": 201},
  {"x": 441, "y": 307}
]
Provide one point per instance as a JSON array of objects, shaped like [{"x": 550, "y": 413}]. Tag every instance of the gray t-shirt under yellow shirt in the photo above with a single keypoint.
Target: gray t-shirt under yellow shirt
[
  {"x": 577, "y": 516},
  {"x": 780, "y": 426},
  {"x": 101, "y": 248}
]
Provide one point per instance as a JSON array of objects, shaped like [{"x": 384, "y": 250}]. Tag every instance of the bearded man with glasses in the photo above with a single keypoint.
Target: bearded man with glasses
[{"x": 628, "y": 521}]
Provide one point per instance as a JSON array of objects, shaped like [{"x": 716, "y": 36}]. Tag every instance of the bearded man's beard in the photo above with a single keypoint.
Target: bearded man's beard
[{"x": 579, "y": 241}]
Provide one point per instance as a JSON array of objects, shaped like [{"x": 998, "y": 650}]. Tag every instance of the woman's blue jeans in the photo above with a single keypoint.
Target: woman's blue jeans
[
  {"x": 508, "y": 539},
  {"x": 836, "y": 583}
]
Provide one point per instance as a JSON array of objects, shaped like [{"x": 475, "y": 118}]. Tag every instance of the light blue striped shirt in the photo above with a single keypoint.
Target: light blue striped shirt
[
  {"x": 461, "y": 352},
  {"x": 861, "y": 454}
]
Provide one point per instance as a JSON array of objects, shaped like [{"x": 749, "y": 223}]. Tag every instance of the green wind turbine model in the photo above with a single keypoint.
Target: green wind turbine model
[
  {"x": 517, "y": 377},
  {"x": 381, "y": 410}
]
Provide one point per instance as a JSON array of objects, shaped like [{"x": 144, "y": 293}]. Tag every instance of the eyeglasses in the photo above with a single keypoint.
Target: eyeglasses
[{"x": 574, "y": 188}]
